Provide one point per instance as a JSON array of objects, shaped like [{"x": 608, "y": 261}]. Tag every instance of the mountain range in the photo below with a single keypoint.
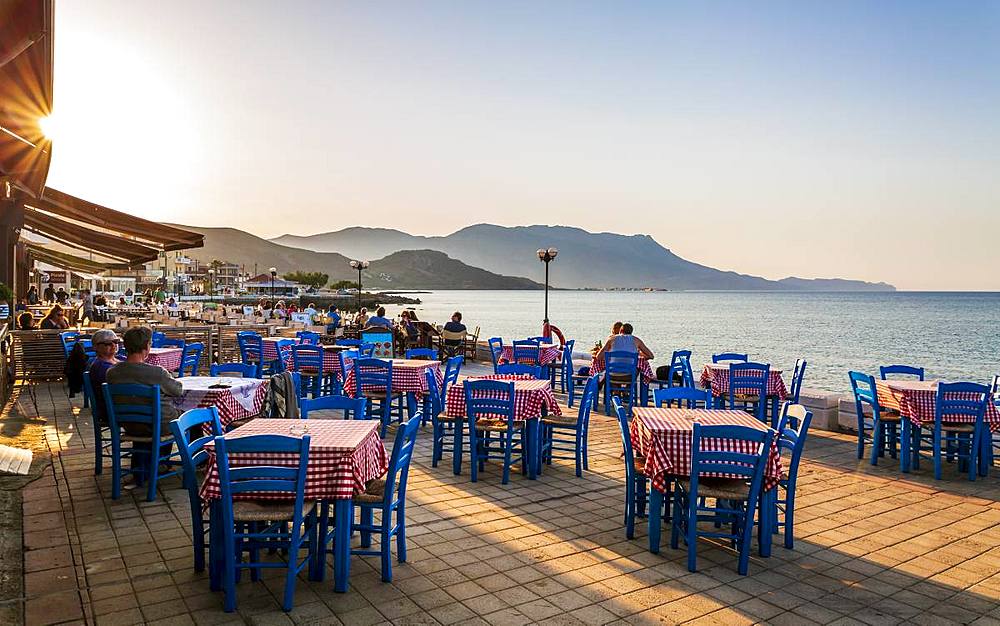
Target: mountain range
[{"x": 585, "y": 260}]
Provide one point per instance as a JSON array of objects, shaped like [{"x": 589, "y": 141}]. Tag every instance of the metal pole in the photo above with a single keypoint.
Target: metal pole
[
  {"x": 546, "y": 291},
  {"x": 359, "y": 288}
]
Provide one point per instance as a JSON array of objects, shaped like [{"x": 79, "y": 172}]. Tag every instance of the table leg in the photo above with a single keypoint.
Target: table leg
[
  {"x": 215, "y": 549},
  {"x": 766, "y": 525},
  {"x": 531, "y": 430},
  {"x": 653, "y": 518},
  {"x": 904, "y": 446},
  {"x": 319, "y": 567},
  {"x": 774, "y": 411},
  {"x": 456, "y": 461},
  {"x": 343, "y": 514}
]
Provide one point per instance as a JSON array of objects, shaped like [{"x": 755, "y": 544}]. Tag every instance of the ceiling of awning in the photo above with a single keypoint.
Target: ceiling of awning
[
  {"x": 25, "y": 91},
  {"x": 91, "y": 227},
  {"x": 68, "y": 261}
]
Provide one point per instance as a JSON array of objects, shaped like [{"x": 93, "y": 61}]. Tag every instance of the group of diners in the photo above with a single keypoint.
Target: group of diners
[{"x": 908, "y": 416}]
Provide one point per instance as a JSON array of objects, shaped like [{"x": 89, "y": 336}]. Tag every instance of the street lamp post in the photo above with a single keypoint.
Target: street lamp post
[
  {"x": 274, "y": 272},
  {"x": 359, "y": 265},
  {"x": 211, "y": 283},
  {"x": 546, "y": 256}
]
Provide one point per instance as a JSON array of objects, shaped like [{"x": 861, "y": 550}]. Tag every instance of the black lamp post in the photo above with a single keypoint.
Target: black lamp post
[
  {"x": 211, "y": 283},
  {"x": 546, "y": 257},
  {"x": 274, "y": 272},
  {"x": 360, "y": 265}
]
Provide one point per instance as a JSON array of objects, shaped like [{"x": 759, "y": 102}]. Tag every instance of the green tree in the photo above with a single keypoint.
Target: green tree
[
  {"x": 312, "y": 279},
  {"x": 344, "y": 284}
]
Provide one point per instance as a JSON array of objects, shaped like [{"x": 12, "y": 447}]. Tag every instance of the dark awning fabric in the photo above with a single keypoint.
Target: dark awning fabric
[
  {"x": 25, "y": 91},
  {"x": 116, "y": 235},
  {"x": 68, "y": 261}
]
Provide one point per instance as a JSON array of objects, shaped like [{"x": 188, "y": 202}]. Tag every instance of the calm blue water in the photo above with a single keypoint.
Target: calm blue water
[{"x": 953, "y": 335}]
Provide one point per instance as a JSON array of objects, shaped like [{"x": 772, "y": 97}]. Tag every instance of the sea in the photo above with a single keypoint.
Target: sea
[{"x": 954, "y": 335}]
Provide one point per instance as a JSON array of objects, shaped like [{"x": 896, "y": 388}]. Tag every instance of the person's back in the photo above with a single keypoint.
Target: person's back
[
  {"x": 145, "y": 374},
  {"x": 379, "y": 321}
]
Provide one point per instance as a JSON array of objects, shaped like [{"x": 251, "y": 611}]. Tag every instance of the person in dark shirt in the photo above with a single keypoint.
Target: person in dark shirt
[
  {"x": 55, "y": 319},
  {"x": 49, "y": 293},
  {"x": 457, "y": 327},
  {"x": 61, "y": 296},
  {"x": 106, "y": 347}
]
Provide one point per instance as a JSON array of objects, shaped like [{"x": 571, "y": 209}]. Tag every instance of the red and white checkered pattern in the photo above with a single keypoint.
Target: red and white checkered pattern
[
  {"x": 645, "y": 370},
  {"x": 407, "y": 377},
  {"x": 343, "y": 456},
  {"x": 271, "y": 350},
  {"x": 530, "y": 396},
  {"x": 244, "y": 398},
  {"x": 716, "y": 376},
  {"x": 547, "y": 354},
  {"x": 167, "y": 358},
  {"x": 664, "y": 437},
  {"x": 916, "y": 400}
]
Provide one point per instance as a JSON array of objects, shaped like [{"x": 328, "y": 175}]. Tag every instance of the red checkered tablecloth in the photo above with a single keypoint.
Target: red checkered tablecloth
[
  {"x": 167, "y": 358},
  {"x": 716, "y": 376},
  {"x": 645, "y": 370},
  {"x": 663, "y": 436},
  {"x": 530, "y": 397},
  {"x": 916, "y": 400},
  {"x": 546, "y": 354},
  {"x": 243, "y": 398},
  {"x": 271, "y": 350},
  {"x": 343, "y": 456},
  {"x": 407, "y": 377}
]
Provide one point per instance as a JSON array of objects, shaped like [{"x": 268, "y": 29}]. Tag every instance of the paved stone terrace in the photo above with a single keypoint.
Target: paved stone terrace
[{"x": 873, "y": 548}]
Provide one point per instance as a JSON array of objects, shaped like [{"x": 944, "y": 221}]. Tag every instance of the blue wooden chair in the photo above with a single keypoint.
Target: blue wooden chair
[
  {"x": 994, "y": 448},
  {"x": 339, "y": 379},
  {"x": 307, "y": 337},
  {"x": 792, "y": 429},
  {"x": 797, "y": 375},
  {"x": 496, "y": 349},
  {"x": 190, "y": 359},
  {"x": 635, "y": 479},
  {"x": 421, "y": 353},
  {"x": 562, "y": 370},
  {"x": 564, "y": 433},
  {"x": 157, "y": 339},
  {"x": 68, "y": 339},
  {"x": 526, "y": 352},
  {"x": 172, "y": 343},
  {"x": 251, "y": 347},
  {"x": 283, "y": 350},
  {"x": 387, "y": 496},
  {"x": 885, "y": 371},
  {"x": 489, "y": 409},
  {"x": 249, "y": 525},
  {"x": 373, "y": 380},
  {"x": 735, "y": 501},
  {"x": 240, "y": 370},
  {"x": 748, "y": 388},
  {"x": 730, "y": 357},
  {"x": 189, "y": 433},
  {"x": 684, "y": 397},
  {"x": 443, "y": 426},
  {"x": 353, "y": 408},
  {"x": 102, "y": 433},
  {"x": 519, "y": 369},
  {"x": 307, "y": 360},
  {"x": 452, "y": 370},
  {"x": 138, "y": 405},
  {"x": 883, "y": 426},
  {"x": 620, "y": 378},
  {"x": 962, "y": 439}
]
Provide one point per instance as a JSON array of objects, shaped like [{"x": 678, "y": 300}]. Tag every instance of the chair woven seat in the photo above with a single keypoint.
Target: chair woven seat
[
  {"x": 639, "y": 463},
  {"x": 746, "y": 397},
  {"x": 493, "y": 426},
  {"x": 263, "y": 511},
  {"x": 719, "y": 488},
  {"x": 144, "y": 438},
  {"x": 374, "y": 492},
  {"x": 444, "y": 417},
  {"x": 958, "y": 427},
  {"x": 890, "y": 417}
]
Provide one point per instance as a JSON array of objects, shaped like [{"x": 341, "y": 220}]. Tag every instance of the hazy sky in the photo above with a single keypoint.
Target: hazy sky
[{"x": 852, "y": 139}]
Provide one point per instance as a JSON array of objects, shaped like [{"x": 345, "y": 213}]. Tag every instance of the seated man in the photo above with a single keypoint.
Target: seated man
[
  {"x": 626, "y": 342},
  {"x": 135, "y": 370},
  {"x": 455, "y": 326},
  {"x": 106, "y": 347},
  {"x": 333, "y": 320},
  {"x": 380, "y": 319}
]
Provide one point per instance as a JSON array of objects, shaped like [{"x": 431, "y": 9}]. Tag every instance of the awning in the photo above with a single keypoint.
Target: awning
[
  {"x": 125, "y": 238},
  {"x": 25, "y": 91},
  {"x": 68, "y": 261}
]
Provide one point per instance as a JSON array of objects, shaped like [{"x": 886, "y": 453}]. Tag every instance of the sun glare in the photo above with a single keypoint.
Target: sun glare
[{"x": 49, "y": 126}]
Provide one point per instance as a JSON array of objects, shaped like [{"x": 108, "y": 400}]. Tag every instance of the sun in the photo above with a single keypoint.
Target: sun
[{"x": 50, "y": 126}]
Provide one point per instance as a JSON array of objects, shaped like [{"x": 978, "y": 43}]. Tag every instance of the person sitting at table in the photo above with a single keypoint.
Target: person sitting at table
[
  {"x": 106, "y": 348},
  {"x": 361, "y": 319},
  {"x": 25, "y": 321},
  {"x": 32, "y": 295},
  {"x": 121, "y": 301},
  {"x": 49, "y": 294},
  {"x": 626, "y": 342},
  {"x": 55, "y": 319},
  {"x": 61, "y": 296},
  {"x": 310, "y": 309},
  {"x": 22, "y": 305},
  {"x": 135, "y": 370},
  {"x": 332, "y": 319},
  {"x": 408, "y": 332},
  {"x": 380, "y": 319},
  {"x": 616, "y": 329},
  {"x": 455, "y": 326}
]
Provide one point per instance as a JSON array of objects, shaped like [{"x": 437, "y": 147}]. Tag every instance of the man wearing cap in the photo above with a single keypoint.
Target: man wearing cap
[
  {"x": 135, "y": 370},
  {"x": 106, "y": 346}
]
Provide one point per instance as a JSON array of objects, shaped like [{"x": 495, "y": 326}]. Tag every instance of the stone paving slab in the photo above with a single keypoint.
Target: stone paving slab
[{"x": 872, "y": 547}]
